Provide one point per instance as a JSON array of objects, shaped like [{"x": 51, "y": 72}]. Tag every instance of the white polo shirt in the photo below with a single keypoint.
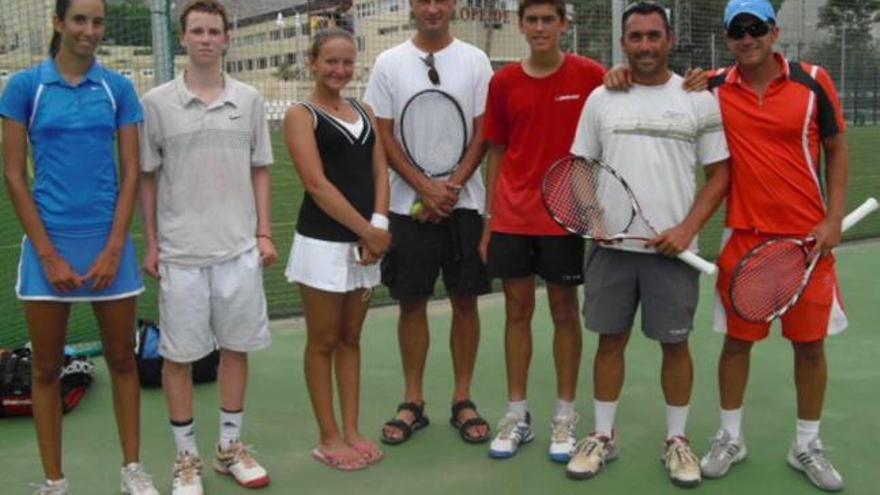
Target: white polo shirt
[
  {"x": 657, "y": 138},
  {"x": 203, "y": 155}
]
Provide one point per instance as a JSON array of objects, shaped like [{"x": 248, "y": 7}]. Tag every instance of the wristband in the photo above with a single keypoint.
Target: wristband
[
  {"x": 265, "y": 236},
  {"x": 379, "y": 221}
]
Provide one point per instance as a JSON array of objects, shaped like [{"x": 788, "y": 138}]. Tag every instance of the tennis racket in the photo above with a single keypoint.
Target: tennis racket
[
  {"x": 771, "y": 277},
  {"x": 434, "y": 135},
  {"x": 590, "y": 199}
]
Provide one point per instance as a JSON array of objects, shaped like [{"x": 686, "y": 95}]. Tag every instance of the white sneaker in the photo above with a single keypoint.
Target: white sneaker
[
  {"x": 238, "y": 461},
  {"x": 513, "y": 431},
  {"x": 815, "y": 464},
  {"x": 723, "y": 453},
  {"x": 135, "y": 481},
  {"x": 60, "y": 487},
  {"x": 562, "y": 437},
  {"x": 681, "y": 463},
  {"x": 187, "y": 475},
  {"x": 590, "y": 456}
]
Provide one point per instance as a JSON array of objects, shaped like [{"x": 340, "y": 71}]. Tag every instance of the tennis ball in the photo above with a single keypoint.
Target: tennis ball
[{"x": 416, "y": 209}]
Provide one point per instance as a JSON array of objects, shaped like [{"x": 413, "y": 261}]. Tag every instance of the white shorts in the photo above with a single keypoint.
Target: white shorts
[
  {"x": 203, "y": 308},
  {"x": 329, "y": 266}
]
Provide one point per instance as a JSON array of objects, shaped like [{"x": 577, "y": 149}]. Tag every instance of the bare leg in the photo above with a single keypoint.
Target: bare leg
[
  {"x": 810, "y": 377},
  {"x": 323, "y": 311},
  {"x": 116, "y": 319},
  {"x": 47, "y": 323},
  {"x": 232, "y": 374},
  {"x": 567, "y": 339},
  {"x": 733, "y": 372},
  {"x": 519, "y": 302},
  {"x": 413, "y": 338},
  {"x": 609, "y": 367},
  {"x": 677, "y": 374}
]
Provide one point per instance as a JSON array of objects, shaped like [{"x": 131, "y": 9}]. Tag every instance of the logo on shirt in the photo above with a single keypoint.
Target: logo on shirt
[
  {"x": 234, "y": 116},
  {"x": 672, "y": 114},
  {"x": 567, "y": 97}
]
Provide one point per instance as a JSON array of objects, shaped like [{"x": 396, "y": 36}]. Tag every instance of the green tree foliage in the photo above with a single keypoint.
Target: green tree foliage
[{"x": 128, "y": 23}]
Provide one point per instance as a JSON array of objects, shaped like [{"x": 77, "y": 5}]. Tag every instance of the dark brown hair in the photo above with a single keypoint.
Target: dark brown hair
[
  {"x": 558, "y": 4},
  {"x": 207, "y": 6}
]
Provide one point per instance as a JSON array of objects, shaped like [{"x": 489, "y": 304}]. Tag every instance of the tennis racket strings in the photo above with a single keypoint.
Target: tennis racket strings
[{"x": 434, "y": 132}]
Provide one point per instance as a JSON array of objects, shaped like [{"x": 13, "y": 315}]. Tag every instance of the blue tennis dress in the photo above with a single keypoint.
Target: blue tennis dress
[{"x": 72, "y": 134}]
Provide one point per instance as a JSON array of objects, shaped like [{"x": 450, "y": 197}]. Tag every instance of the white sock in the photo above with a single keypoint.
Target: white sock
[
  {"x": 58, "y": 482},
  {"x": 605, "y": 412},
  {"x": 806, "y": 432},
  {"x": 518, "y": 408},
  {"x": 185, "y": 437},
  {"x": 731, "y": 422},
  {"x": 230, "y": 427},
  {"x": 564, "y": 408},
  {"x": 676, "y": 420}
]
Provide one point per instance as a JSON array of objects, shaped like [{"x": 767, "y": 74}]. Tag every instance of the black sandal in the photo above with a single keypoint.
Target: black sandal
[
  {"x": 464, "y": 427},
  {"x": 407, "y": 429}
]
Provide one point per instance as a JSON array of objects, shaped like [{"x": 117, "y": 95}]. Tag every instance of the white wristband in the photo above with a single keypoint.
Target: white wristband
[{"x": 379, "y": 221}]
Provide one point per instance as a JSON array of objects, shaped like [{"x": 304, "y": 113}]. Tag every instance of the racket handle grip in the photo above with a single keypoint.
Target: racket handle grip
[
  {"x": 700, "y": 264},
  {"x": 859, "y": 213}
]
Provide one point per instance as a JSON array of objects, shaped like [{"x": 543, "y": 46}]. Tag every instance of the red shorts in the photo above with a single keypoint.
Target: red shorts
[{"x": 818, "y": 312}]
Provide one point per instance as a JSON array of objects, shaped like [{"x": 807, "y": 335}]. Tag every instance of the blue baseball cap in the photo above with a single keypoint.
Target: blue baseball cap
[{"x": 758, "y": 8}]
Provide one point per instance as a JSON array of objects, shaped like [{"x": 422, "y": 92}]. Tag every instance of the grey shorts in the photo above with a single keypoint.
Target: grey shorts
[{"x": 616, "y": 281}]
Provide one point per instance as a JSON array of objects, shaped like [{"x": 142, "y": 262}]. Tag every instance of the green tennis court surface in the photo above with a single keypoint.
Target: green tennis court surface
[
  {"x": 279, "y": 420},
  {"x": 283, "y": 299}
]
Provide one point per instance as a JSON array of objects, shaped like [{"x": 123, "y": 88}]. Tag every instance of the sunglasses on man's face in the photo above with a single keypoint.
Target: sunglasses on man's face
[
  {"x": 433, "y": 75},
  {"x": 755, "y": 30}
]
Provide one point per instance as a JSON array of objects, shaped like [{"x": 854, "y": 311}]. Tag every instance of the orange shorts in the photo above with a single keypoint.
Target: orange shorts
[{"x": 818, "y": 312}]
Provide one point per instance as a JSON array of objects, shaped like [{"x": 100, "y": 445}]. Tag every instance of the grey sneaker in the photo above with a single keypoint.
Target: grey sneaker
[
  {"x": 816, "y": 465},
  {"x": 135, "y": 481},
  {"x": 562, "y": 437},
  {"x": 513, "y": 431},
  {"x": 723, "y": 453},
  {"x": 58, "y": 488},
  {"x": 590, "y": 456},
  {"x": 681, "y": 464}
]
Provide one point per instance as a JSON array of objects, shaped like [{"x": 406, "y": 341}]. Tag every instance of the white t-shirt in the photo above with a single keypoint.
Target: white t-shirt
[
  {"x": 399, "y": 73},
  {"x": 202, "y": 156},
  {"x": 655, "y": 137}
]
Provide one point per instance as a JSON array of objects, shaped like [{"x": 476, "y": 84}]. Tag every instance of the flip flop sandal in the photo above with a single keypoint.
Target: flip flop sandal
[
  {"x": 465, "y": 427},
  {"x": 369, "y": 452},
  {"x": 407, "y": 429},
  {"x": 337, "y": 461}
]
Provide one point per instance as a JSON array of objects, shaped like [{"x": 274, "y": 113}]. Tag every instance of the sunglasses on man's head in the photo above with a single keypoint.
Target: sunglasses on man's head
[
  {"x": 755, "y": 30},
  {"x": 433, "y": 75}
]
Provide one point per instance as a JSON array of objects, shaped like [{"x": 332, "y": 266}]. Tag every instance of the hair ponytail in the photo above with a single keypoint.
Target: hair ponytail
[{"x": 55, "y": 44}]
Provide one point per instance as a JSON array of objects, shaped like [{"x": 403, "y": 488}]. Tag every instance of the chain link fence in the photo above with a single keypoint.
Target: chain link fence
[{"x": 270, "y": 38}]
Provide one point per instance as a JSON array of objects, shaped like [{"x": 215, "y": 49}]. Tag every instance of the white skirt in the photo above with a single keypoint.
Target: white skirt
[{"x": 329, "y": 266}]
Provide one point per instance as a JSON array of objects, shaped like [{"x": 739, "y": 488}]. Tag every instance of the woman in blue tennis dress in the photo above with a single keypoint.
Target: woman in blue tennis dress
[{"x": 76, "y": 219}]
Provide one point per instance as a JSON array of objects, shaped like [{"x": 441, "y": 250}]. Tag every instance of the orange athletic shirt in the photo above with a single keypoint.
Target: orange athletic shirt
[{"x": 775, "y": 144}]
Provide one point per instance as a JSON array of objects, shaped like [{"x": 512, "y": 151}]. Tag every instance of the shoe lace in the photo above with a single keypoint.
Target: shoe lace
[
  {"x": 681, "y": 451},
  {"x": 588, "y": 445},
  {"x": 563, "y": 428},
  {"x": 187, "y": 467},
  {"x": 508, "y": 427},
  {"x": 721, "y": 444},
  {"x": 138, "y": 478},
  {"x": 239, "y": 452}
]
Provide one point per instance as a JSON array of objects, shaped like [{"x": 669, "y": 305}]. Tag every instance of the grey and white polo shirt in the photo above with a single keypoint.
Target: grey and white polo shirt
[{"x": 203, "y": 156}]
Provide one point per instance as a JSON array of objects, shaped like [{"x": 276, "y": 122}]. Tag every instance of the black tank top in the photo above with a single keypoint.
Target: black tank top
[{"x": 348, "y": 164}]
